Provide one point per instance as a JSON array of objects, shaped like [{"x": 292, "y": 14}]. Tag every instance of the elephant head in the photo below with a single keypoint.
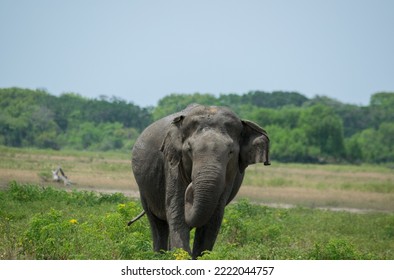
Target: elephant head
[{"x": 207, "y": 149}]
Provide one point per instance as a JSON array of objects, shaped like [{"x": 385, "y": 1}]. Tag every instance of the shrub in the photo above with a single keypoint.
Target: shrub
[
  {"x": 24, "y": 192},
  {"x": 48, "y": 236},
  {"x": 335, "y": 249}
]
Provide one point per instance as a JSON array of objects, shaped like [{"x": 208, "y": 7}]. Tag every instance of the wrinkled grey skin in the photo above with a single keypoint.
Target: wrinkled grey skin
[{"x": 188, "y": 167}]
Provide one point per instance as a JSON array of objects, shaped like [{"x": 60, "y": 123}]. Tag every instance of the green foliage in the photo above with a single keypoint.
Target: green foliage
[
  {"x": 72, "y": 228},
  {"x": 99, "y": 137},
  {"x": 36, "y": 118},
  {"x": 382, "y": 108},
  {"x": 48, "y": 223},
  {"x": 24, "y": 193},
  {"x": 320, "y": 129},
  {"x": 29, "y": 193},
  {"x": 258, "y": 99},
  {"x": 374, "y": 145},
  {"x": 258, "y": 232},
  {"x": 180, "y": 254},
  {"x": 177, "y": 102},
  {"x": 290, "y": 145},
  {"x": 53, "y": 235},
  {"x": 389, "y": 228},
  {"x": 326, "y": 133},
  {"x": 276, "y": 99},
  {"x": 335, "y": 249}
]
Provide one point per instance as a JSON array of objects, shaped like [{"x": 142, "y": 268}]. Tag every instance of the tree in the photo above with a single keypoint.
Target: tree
[
  {"x": 276, "y": 99},
  {"x": 324, "y": 130},
  {"x": 288, "y": 145},
  {"x": 382, "y": 108},
  {"x": 177, "y": 102},
  {"x": 36, "y": 118},
  {"x": 354, "y": 151},
  {"x": 301, "y": 129}
]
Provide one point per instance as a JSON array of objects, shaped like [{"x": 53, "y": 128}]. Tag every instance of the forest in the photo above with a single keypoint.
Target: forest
[{"x": 301, "y": 129}]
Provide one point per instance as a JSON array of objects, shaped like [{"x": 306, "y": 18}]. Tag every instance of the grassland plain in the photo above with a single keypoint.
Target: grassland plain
[
  {"x": 362, "y": 187},
  {"x": 40, "y": 219}
]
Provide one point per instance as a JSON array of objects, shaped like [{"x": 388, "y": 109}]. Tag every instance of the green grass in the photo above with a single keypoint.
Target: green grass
[{"x": 47, "y": 223}]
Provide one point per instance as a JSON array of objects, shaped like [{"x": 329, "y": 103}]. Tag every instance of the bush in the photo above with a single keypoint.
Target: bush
[
  {"x": 54, "y": 235},
  {"x": 335, "y": 249},
  {"x": 49, "y": 236},
  {"x": 24, "y": 192}
]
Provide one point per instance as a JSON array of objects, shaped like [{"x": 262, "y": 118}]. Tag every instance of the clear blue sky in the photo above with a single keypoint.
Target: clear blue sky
[{"x": 143, "y": 50}]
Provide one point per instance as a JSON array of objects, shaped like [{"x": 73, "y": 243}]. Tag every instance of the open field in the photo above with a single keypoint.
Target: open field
[
  {"x": 40, "y": 219},
  {"x": 365, "y": 187},
  {"x": 49, "y": 223}
]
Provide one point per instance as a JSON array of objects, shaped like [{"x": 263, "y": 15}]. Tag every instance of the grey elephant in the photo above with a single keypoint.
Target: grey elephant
[{"x": 188, "y": 167}]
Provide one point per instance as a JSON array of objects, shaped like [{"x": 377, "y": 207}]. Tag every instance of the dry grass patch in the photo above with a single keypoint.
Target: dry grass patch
[{"x": 341, "y": 186}]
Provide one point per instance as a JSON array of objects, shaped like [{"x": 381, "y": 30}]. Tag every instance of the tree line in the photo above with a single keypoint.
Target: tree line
[
  {"x": 301, "y": 129},
  {"x": 35, "y": 118}
]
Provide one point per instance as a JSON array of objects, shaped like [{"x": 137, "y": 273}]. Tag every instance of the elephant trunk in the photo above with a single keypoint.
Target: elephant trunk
[{"x": 202, "y": 196}]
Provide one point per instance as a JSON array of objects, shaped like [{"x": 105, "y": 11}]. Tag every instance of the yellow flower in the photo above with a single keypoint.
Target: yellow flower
[
  {"x": 122, "y": 208},
  {"x": 73, "y": 221},
  {"x": 181, "y": 254}
]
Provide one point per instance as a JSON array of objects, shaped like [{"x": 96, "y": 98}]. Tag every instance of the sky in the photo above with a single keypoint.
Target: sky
[{"x": 143, "y": 50}]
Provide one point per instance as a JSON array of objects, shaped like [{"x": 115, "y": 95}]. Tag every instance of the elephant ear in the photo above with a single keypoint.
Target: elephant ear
[
  {"x": 254, "y": 145},
  {"x": 172, "y": 143}
]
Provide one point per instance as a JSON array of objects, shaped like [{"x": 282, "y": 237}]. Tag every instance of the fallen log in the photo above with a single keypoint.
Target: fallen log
[{"x": 60, "y": 177}]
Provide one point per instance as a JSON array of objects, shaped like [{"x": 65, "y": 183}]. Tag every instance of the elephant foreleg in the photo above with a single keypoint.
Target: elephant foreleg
[
  {"x": 205, "y": 236},
  {"x": 179, "y": 238},
  {"x": 179, "y": 230}
]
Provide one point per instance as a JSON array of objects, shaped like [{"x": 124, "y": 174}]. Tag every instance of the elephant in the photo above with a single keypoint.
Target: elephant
[{"x": 188, "y": 166}]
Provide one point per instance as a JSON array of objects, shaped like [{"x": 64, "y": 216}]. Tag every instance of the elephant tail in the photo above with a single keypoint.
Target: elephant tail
[{"x": 136, "y": 218}]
